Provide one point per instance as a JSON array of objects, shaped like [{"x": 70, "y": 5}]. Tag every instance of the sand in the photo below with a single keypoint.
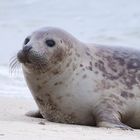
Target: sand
[
  {"x": 100, "y": 21},
  {"x": 15, "y": 125}
]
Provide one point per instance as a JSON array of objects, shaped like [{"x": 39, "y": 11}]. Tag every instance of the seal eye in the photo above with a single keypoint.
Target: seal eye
[
  {"x": 50, "y": 43},
  {"x": 26, "y": 41}
]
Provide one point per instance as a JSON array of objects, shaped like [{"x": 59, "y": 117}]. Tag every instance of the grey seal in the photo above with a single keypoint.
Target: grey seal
[{"x": 79, "y": 83}]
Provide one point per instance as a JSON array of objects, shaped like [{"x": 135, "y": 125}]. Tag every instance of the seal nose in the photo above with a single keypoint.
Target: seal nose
[{"x": 26, "y": 49}]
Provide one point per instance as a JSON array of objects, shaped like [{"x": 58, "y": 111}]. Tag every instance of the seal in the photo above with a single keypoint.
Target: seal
[{"x": 79, "y": 83}]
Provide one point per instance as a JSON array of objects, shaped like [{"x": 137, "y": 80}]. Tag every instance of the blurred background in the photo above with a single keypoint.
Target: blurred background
[{"x": 112, "y": 22}]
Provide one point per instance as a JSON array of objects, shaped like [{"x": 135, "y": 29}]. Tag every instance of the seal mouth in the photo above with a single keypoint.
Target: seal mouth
[
  {"x": 23, "y": 55},
  {"x": 32, "y": 60}
]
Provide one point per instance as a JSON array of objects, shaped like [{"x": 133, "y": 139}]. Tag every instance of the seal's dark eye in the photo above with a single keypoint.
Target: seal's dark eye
[
  {"x": 26, "y": 41},
  {"x": 50, "y": 43}
]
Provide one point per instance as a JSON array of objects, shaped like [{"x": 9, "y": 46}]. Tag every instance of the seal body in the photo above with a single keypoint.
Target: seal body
[{"x": 78, "y": 83}]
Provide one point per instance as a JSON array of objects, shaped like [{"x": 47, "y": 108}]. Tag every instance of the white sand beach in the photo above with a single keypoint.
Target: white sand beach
[
  {"x": 14, "y": 125},
  {"x": 115, "y": 22}
]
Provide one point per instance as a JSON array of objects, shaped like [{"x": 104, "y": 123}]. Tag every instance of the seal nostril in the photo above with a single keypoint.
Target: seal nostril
[{"x": 26, "y": 49}]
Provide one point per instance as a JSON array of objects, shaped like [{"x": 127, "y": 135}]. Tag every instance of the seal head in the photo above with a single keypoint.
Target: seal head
[{"x": 44, "y": 49}]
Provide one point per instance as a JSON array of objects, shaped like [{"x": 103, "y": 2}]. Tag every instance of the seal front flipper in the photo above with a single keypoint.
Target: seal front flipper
[
  {"x": 35, "y": 114},
  {"x": 117, "y": 124},
  {"x": 109, "y": 115}
]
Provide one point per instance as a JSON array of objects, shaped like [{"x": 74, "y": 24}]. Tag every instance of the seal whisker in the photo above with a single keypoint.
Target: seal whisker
[
  {"x": 12, "y": 61},
  {"x": 14, "y": 65}
]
